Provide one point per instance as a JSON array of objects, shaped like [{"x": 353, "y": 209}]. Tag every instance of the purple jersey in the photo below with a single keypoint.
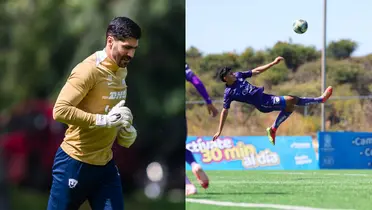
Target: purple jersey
[
  {"x": 198, "y": 84},
  {"x": 242, "y": 91}
]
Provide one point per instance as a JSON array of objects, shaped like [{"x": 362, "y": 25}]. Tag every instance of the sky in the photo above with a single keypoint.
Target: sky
[{"x": 216, "y": 26}]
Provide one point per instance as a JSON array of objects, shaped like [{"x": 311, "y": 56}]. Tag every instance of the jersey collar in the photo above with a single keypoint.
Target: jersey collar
[{"x": 104, "y": 61}]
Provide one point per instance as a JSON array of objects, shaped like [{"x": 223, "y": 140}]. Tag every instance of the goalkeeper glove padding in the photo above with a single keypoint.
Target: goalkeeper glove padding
[{"x": 119, "y": 115}]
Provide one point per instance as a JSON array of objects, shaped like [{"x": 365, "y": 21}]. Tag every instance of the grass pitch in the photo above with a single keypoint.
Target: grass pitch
[{"x": 292, "y": 190}]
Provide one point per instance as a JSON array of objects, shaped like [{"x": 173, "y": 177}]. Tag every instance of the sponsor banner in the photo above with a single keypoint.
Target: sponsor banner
[
  {"x": 253, "y": 153},
  {"x": 345, "y": 150}
]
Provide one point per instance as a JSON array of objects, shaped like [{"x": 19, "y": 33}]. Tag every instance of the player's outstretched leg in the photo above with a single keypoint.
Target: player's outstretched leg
[
  {"x": 290, "y": 103},
  {"x": 304, "y": 101},
  {"x": 197, "y": 170},
  {"x": 190, "y": 188}
]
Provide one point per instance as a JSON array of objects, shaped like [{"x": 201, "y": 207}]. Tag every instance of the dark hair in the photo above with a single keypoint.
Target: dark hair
[
  {"x": 222, "y": 72},
  {"x": 122, "y": 28}
]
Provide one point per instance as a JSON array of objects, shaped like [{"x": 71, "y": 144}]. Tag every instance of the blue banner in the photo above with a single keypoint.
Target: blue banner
[
  {"x": 345, "y": 150},
  {"x": 253, "y": 153}
]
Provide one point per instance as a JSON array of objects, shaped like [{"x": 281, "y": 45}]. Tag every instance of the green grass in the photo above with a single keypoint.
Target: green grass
[{"x": 331, "y": 189}]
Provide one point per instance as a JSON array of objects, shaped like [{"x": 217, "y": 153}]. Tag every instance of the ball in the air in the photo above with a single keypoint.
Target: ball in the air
[{"x": 300, "y": 26}]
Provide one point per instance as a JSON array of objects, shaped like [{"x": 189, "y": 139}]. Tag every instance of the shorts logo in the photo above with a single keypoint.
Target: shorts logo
[
  {"x": 276, "y": 100},
  {"x": 72, "y": 183}
]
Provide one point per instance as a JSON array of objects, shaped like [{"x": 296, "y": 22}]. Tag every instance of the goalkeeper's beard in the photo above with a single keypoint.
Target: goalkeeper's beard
[{"x": 124, "y": 61}]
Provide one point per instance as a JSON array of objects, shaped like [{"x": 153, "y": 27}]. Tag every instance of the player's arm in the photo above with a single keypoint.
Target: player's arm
[
  {"x": 199, "y": 86},
  {"x": 261, "y": 69},
  {"x": 80, "y": 81},
  {"x": 223, "y": 116}
]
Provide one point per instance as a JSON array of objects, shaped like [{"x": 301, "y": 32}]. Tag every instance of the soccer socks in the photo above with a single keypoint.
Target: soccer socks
[
  {"x": 190, "y": 157},
  {"x": 283, "y": 115},
  {"x": 304, "y": 101}
]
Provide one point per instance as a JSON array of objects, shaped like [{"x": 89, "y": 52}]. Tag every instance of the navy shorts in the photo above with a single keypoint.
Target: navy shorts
[
  {"x": 269, "y": 103},
  {"x": 74, "y": 182}
]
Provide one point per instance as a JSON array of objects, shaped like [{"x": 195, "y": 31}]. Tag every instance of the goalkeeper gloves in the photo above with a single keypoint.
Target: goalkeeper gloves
[
  {"x": 127, "y": 136},
  {"x": 119, "y": 115}
]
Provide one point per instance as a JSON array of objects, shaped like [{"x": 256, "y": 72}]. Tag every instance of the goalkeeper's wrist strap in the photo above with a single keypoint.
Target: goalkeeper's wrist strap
[{"x": 101, "y": 120}]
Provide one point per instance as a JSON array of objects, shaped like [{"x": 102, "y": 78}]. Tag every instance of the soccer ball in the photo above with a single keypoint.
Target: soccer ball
[{"x": 300, "y": 26}]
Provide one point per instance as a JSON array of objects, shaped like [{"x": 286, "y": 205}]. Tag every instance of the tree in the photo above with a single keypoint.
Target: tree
[
  {"x": 214, "y": 61},
  {"x": 193, "y": 52},
  {"x": 294, "y": 54},
  {"x": 341, "y": 49},
  {"x": 250, "y": 58}
]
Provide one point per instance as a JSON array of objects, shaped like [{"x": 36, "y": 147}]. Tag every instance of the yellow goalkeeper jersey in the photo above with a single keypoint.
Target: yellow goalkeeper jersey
[{"x": 93, "y": 87}]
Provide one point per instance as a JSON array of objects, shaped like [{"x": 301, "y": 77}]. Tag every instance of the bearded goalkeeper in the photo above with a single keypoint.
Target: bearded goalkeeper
[{"x": 92, "y": 104}]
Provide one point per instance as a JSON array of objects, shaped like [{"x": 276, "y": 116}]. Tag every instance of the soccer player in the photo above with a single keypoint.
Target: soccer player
[
  {"x": 196, "y": 168},
  {"x": 238, "y": 89},
  {"x": 91, "y": 103}
]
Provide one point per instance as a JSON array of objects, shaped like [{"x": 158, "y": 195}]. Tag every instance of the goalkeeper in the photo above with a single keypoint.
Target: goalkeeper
[{"x": 92, "y": 104}]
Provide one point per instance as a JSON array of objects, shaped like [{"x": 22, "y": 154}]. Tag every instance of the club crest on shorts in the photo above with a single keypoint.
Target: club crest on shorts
[
  {"x": 72, "y": 183},
  {"x": 276, "y": 100}
]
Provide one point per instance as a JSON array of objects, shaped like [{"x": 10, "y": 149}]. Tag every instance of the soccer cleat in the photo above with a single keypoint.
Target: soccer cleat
[
  {"x": 201, "y": 176},
  {"x": 190, "y": 190},
  {"x": 327, "y": 93},
  {"x": 271, "y": 135}
]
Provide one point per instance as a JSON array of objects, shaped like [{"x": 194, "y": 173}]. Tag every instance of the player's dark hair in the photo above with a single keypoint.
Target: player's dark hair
[
  {"x": 223, "y": 71},
  {"x": 122, "y": 28}
]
